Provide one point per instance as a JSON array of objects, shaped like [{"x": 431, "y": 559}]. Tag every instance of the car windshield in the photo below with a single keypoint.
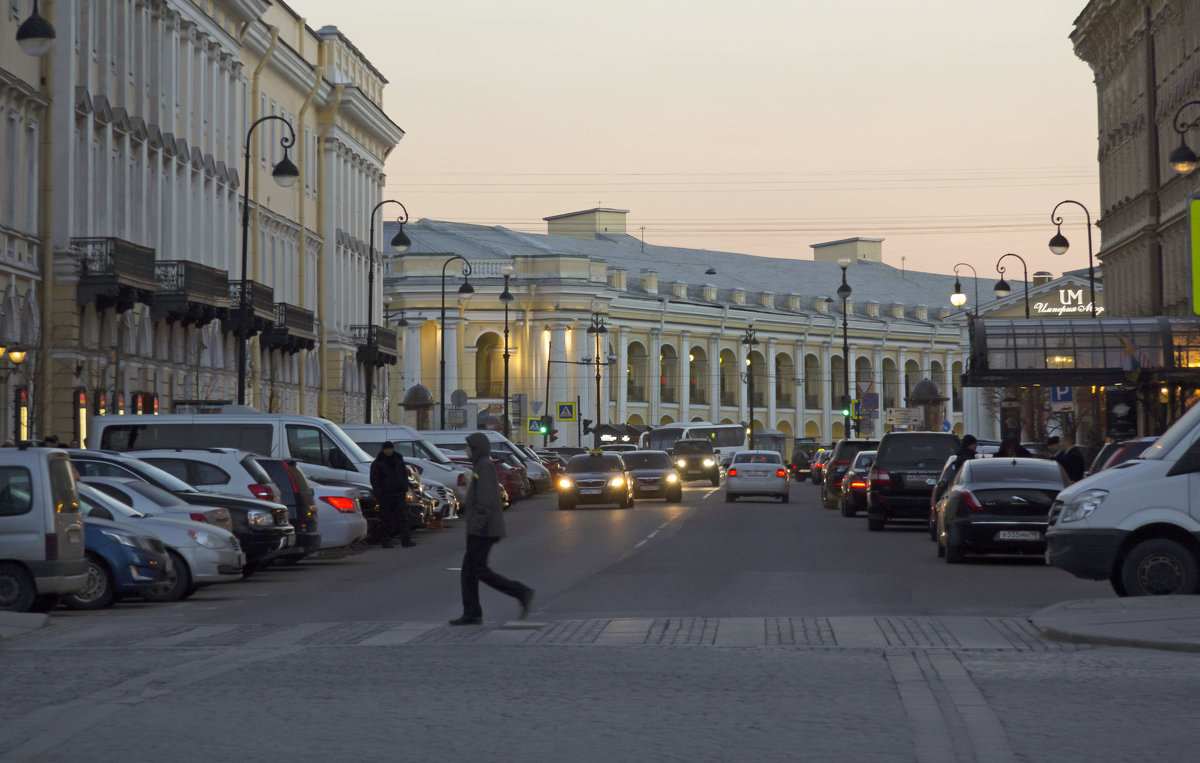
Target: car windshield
[
  {"x": 154, "y": 494},
  {"x": 692, "y": 447},
  {"x": 159, "y": 476},
  {"x": 589, "y": 463},
  {"x": 864, "y": 459},
  {"x": 90, "y": 498},
  {"x": 920, "y": 451},
  {"x": 647, "y": 459},
  {"x": 756, "y": 458},
  {"x": 1009, "y": 470}
]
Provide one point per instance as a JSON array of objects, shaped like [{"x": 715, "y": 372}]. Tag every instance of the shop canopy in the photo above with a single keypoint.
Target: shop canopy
[{"x": 1083, "y": 352}]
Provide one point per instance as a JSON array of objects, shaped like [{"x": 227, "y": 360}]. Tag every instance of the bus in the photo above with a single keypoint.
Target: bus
[{"x": 725, "y": 438}]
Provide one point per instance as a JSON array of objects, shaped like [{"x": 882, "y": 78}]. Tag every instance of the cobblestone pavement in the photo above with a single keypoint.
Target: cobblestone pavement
[{"x": 686, "y": 689}]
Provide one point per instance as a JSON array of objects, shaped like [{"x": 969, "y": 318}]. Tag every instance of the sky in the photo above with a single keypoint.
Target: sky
[{"x": 949, "y": 128}]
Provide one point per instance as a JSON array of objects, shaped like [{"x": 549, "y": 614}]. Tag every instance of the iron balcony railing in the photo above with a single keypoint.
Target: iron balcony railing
[
  {"x": 384, "y": 339},
  {"x": 114, "y": 273},
  {"x": 196, "y": 282},
  {"x": 295, "y": 320},
  {"x": 261, "y": 301}
]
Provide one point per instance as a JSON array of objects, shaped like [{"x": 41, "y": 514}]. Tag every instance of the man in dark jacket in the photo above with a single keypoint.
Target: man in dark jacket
[
  {"x": 1069, "y": 457},
  {"x": 484, "y": 514},
  {"x": 389, "y": 482},
  {"x": 966, "y": 452}
]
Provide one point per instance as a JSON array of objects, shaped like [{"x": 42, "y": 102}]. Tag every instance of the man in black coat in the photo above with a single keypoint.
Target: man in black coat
[
  {"x": 484, "y": 514},
  {"x": 1069, "y": 457},
  {"x": 966, "y": 452},
  {"x": 389, "y": 482}
]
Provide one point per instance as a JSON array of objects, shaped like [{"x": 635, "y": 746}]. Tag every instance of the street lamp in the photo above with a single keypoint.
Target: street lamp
[
  {"x": 751, "y": 342},
  {"x": 400, "y": 244},
  {"x": 16, "y": 356},
  {"x": 844, "y": 291},
  {"x": 1002, "y": 288},
  {"x": 285, "y": 174},
  {"x": 466, "y": 288},
  {"x": 506, "y": 297},
  {"x": 597, "y": 329},
  {"x": 959, "y": 297},
  {"x": 1183, "y": 159},
  {"x": 36, "y": 34},
  {"x": 1060, "y": 245}
]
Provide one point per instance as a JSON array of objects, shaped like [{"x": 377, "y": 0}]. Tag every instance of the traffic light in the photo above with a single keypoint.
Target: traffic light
[
  {"x": 587, "y": 426},
  {"x": 553, "y": 435},
  {"x": 547, "y": 422},
  {"x": 845, "y": 406}
]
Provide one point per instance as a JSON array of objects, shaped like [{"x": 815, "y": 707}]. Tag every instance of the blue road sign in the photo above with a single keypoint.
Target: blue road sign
[
  {"x": 533, "y": 426},
  {"x": 566, "y": 411},
  {"x": 870, "y": 401},
  {"x": 1062, "y": 395},
  {"x": 946, "y": 426}
]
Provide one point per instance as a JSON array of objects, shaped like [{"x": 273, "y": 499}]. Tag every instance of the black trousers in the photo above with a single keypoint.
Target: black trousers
[
  {"x": 475, "y": 570},
  {"x": 393, "y": 519}
]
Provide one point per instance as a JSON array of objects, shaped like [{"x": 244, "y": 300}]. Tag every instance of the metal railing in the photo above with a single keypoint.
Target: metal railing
[
  {"x": 262, "y": 300},
  {"x": 192, "y": 279},
  {"x": 383, "y": 338},
  {"x": 114, "y": 257}
]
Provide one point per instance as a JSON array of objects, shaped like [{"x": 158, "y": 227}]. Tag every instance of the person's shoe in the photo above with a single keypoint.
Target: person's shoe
[
  {"x": 464, "y": 620},
  {"x": 526, "y": 602},
  {"x": 387, "y": 544}
]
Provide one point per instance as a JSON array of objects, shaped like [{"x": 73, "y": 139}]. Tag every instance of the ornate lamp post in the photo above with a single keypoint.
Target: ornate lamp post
[
  {"x": 285, "y": 174},
  {"x": 959, "y": 297},
  {"x": 506, "y": 297},
  {"x": 1002, "y": 288},
  {"x": 1060, "y": 245},
  {"x": 400, "y": 244},
  {"x": 844, "y": 291},
  {"x": 597, "y": 329},
  {"x": 466, "y": 288},
  {"x": 750, "y": 341},
  {"x": 1183, "y": 160},
  {"x": 36, "y": 34}
]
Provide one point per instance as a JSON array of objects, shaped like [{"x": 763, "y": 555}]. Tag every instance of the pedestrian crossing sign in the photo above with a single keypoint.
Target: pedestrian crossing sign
[
  {"x": 566, "y": 411},
  {"x": 534, "y": 425}
]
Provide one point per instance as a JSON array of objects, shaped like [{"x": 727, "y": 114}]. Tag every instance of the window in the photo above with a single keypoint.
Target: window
[
  {"x": 100, "y": 469},
  {"x": 62, "y": 487},
  {"x": 255, "y": 438},
  {"x": 176, "y": 467},
  {"x": 115, "y": 492},
  {"x": 16, "y": 491},
  {"x": 757, "y": 458},
  {"x": 310, "y": 445}
]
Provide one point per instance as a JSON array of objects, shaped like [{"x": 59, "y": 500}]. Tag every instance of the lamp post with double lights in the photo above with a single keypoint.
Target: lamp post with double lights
[
  {"x": 466, "y": 288},
  {"x": 1060, "y": 245},
  {"x": 285, "y": 174},
  {"x": 750, "y": 341},
  {"x": 36, "y": 35},
  {"x": 597, "y": 329},
  {"x": 844, "y": 291},
  {"x": 1183, "y": 160},
  {"x": 959, "y": 297},
  {"x": 506, "y": 297},
  {"x": 400, "y": 244},
  {"x": 1002, "y": 289}
]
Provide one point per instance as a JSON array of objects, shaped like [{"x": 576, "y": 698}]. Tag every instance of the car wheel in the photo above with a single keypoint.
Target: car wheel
[
  {"x": 954, "y": 554},
  {"x": 785, "y": 498},
  {"x": 1118, "y": 585},
  {"x": 17, "y": 589},
  {"x": 716, "y": 481},
  {"x": 1159, "y": 567},
  {"x": 176, "y": 584},
  {"x": 941, "y": 550},
  {"x": 875, "y": 524},
  {"x": 565, "y": 505},
  {"x": 100, "y": 589},
  {"x": 676, "y": 496},
  {"x": 729, "y": 497},
  {"x": 848, "y": 509}
]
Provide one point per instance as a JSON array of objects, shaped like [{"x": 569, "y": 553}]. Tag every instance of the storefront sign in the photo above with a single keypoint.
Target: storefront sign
[{"x": 1067, "y": 302}]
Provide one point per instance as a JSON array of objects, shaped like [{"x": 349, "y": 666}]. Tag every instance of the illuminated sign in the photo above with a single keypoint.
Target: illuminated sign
[{"x": 1070, "y": 302}]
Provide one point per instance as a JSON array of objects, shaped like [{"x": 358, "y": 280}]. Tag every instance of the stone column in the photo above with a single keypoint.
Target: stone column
[
  {"x": 685, "y": 377},
  {"x": 450, "y": 349},
  {"x": 621, "y": 376},
  {"x": 558, "y": 369},
  {"x": 714, "y": 378},
  {"x": 826, "y": 397},
  {"x": 654, "y": 372},
  {"x": 412, "y": 356},
  {"x": 770, "y": 383}
]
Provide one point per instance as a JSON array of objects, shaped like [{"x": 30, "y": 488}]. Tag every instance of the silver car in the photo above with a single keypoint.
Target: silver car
[{"x": 757, "y": 472}]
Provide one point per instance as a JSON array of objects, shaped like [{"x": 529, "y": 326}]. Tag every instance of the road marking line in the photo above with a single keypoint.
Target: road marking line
[{"x": 454, "y": 569}]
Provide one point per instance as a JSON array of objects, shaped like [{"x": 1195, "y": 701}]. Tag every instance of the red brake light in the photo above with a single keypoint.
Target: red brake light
[
  {"x": 879, "y": 478},
  {"x": 780, "y": 473},
  {"x": 462, "y": 479},
  {"x": 858, "y": 483},
  {"x": 339, "y": 502},
  {"x": 265, "y": 492},
  {"x": 840, "y": 463},
  {"x": 972, "y": 502},
  {"x": 732, "y": 473},
  {"x": 51, "y": 547},
  {"x": 196, "y": 516}
]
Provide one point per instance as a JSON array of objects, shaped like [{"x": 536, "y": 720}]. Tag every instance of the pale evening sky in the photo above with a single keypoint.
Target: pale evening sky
[{"x": 949, "y": 128}]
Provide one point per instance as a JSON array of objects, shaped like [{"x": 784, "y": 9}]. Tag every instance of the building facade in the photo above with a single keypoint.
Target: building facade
[{"x": 146, "y": 108}]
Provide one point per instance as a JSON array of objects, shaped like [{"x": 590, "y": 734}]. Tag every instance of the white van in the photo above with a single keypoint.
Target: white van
[
  {"x": 41, "y": 530},
  {"x": 1136, "y": 524},
  {"x": 416, "y": 449},
  {"x": 325, "y": 451},
  {"x": 456, "y": 439}
]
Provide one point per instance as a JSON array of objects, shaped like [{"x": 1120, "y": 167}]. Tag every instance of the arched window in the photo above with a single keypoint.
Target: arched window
[
  {"x": 912, "y": 375},
  {"x": 668, "y": 375},
  {"x": 812, "y": 382},
  {"x": 891, "y": 384},
  {"x": 730, "y": 378},
  {"x": 636, "y": 373},
  {"x": 698, "y": 376},
  {"x": 785, "y": 380},
  {"x": 837, "y": 382},
  {"x": 862, "y": 373},
  {"x": 489, "y": 366},
  {"x": 956, "y": 391},
  {"x": 757, "y": 367}
]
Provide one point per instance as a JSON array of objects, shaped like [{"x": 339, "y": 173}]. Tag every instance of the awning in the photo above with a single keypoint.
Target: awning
[{"x": 1083, "y": 352}]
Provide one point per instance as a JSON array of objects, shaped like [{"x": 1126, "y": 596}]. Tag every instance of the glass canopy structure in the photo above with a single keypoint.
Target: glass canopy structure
[{"x": 1083, "y": 352}]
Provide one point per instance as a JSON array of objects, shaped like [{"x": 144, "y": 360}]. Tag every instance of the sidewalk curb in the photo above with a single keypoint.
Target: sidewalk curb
[
  {"x": 1106, "y": 622},
  {"x": 14, "y": 624}
]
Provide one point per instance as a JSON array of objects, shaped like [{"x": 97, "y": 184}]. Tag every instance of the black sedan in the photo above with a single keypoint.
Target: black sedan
[
  {"x": 852, "y": 492},
  {"x": 653, "y": 475},
  {"x": 998, "y": 506},
  {"x": 595, "y": 478}
]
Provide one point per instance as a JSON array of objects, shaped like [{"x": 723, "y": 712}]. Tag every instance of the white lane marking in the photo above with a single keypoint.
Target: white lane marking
[
  {"x": 711, "y": 492},
  {"x": 454, "y": 569},
  {"x": 643, "y": 541}
]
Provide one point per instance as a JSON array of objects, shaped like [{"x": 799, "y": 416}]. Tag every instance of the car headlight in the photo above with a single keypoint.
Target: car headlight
[
  {"x": 681, "y": 463},
  {"x": 672, "y": 478},
  {"x": 124, "y": 540},
  {"x": 616, "y": 481},
  {"x": 709, "y": 462},
  {"x": 208, "y": 540},
  {"x": 1082, "y": 505},
  {"x": 565, "y": 483},
  {"x": 258, "y": 518}
]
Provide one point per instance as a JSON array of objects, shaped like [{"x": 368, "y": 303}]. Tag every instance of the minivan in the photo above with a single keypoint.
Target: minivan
[
  {"x": 41, "y": 530},
  {"x": 410, "y": 443},
  {"x": 1136, "y": 524},
  {"x": 456, "y": 439}
]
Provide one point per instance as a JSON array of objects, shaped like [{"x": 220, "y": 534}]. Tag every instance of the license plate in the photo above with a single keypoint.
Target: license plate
[
  {"x": 589, "y": 491},
  {"x": 1018, "y": 535},
  {"x": 649, "y": 488},
  {"x": 930, "y": 481}
]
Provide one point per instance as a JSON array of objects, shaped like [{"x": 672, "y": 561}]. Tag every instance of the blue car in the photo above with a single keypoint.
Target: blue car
[{"x": 121, "y": 560}]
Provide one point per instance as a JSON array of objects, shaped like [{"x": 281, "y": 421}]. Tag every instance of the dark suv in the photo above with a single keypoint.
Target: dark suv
[
  {"x": 696, "y": 460},
  {"x": 595, "y": 478},
  {"x": 831, "y": 476},
  {"x": 906, "y": 469}
]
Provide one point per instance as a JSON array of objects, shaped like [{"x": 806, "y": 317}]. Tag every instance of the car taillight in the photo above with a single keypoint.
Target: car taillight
[
  {"x": 879, "y": 478},
  {"x": 841, "y": 463},
  {"x": 198, "y": 517},
  {"x": 780, "y": 473},
  {"x": 972, "y": 502},
  {"x": 264, "y": 492},
  {"x": 51, "y": 547},
  {"x": 732, "y": 473},
  {"x": 462, "y": 479},
  {"x": 858, "y": 484},
  {"x": 339, "y": 502}
]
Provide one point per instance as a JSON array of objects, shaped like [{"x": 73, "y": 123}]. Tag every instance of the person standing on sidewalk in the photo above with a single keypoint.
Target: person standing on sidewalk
[
  {"x": 966, "y": 452},
  {"x": 389, "y": 482},
  {"x": 484, "y": 512}
]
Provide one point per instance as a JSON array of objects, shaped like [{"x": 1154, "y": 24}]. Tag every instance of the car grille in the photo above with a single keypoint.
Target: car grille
[
  {"x": 233, "y": 543},
  {"x": 589, "y": 483},
  {"x": 649, "y": 480}
]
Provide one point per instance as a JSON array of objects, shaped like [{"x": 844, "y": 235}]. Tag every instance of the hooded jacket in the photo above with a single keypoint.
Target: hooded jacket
[
  {"x": 389, "y": 476},
  {"x": 484, "y": 504}
]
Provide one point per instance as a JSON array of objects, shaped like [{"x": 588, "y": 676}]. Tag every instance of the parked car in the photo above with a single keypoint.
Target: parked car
[
  {"x": 757, "y": 472},
  {"x": 340, "y": 515},
  {"x": 818, "y": 464},
  {"x": 298, "y": 495},
  {"x": 1124, "y": 451},
  {"x": 200, "y": 555},
  {"x": 998, "y": 505},
  {"x": 837, "y": 465},
  {"x": 803, "y": 452},
  {"x": 41, "y": 530},
  {"x": 618, "y": 447},
  {"x": 556, "y": 463},
  {"x": 511, "y": 477},
  {"x": 653, "y": 474},
  {"x": 150, "y": 499},
  {"x": 945, "y": 477},
  {"x": 121, "y": 561},
  {"x": 219, "y": 470},
  {"x": 416, "y": 449},
  {"x": 456, "y": 439},
  {"x": 853, "y": 497},
  {"x": 596, "y": 479},
  {"x": 695, "y": 459},
  {"x": 907, "y": 465}
]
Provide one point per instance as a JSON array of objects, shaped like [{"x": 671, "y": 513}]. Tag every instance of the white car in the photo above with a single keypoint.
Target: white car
[
  {"x": 200, "y": 553},
  {"x": 150, "y": 499},
  {"x": 219, "y": 470},
  {"x": 339, "y": 514},
  {"x": 757, "y": 472}
]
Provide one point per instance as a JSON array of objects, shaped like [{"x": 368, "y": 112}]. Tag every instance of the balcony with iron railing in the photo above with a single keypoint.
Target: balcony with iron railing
[
  {"x": 294, "y": 329},
  {"x": 379, "y": 341},
  {"x": 190, "y": 293},
  {"x": 260, "y": 308},
  {"x": 114, "y": 273}
]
